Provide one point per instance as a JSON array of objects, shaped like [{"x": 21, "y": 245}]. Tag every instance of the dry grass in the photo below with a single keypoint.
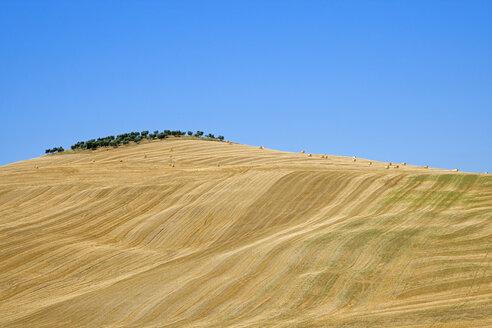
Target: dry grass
[{"x": 271, "y": 239}]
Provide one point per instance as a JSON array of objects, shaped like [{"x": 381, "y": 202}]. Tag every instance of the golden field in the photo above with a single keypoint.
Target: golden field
[{"x": 238, "y": 236}]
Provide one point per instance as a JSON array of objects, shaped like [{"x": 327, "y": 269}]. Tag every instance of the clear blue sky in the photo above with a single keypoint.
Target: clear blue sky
[{"x": 386, "y": 80}]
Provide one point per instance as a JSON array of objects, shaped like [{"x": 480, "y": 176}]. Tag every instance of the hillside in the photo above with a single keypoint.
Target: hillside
[{"x": 237, "y": 236}]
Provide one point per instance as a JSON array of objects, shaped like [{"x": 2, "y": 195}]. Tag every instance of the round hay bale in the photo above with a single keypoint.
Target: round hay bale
[
  {"x": 354, "y": 159},
  {"x": 92, "y": 161},
  {"x": 302, "y": 151},
  {"x": 121, "y": 161},
  {"x": 387, "y": 167},
  {"x": 218, "y": 164},
  {"x": 354, "y": 156},
  {"x": 397, "y": 166},
  {"x": 455, "y": 170},
  {"x": 36, "y": 167},
  {"x": 370, "y": 163},
  {"x": 261, "y": 147},
  {"x": 426, "y": 166},
  {"x": 485, "y": 172},
  {"x": 145, "y": 156},
  {"x": 390, "y": 163},
  {"x": 403, "y": 163},
  {"x": 310, "y": 155}
]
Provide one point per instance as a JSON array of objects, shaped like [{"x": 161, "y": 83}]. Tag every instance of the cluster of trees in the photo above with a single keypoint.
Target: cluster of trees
[
  {"x": 136, "y": 137},
  {"x": 54, "y": 150}
]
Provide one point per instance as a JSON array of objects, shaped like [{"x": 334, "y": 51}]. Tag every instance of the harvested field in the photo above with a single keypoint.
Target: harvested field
[{"x": 122, "y": 238}]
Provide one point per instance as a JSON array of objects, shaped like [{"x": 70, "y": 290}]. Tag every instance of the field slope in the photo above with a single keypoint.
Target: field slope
[{"x": 237, "y": 236}]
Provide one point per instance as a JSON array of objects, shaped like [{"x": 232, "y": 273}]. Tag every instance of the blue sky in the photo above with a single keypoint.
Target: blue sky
[{"x": 386, "y": 80}]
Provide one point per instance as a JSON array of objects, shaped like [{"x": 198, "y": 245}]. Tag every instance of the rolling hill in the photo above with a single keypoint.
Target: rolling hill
[{"x": 190, "y": 233}]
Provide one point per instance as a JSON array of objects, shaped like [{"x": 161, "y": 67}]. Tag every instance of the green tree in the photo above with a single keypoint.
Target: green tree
[
  {"x": 91, "y": 144},
  {"x": 126, "y": 138}
]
